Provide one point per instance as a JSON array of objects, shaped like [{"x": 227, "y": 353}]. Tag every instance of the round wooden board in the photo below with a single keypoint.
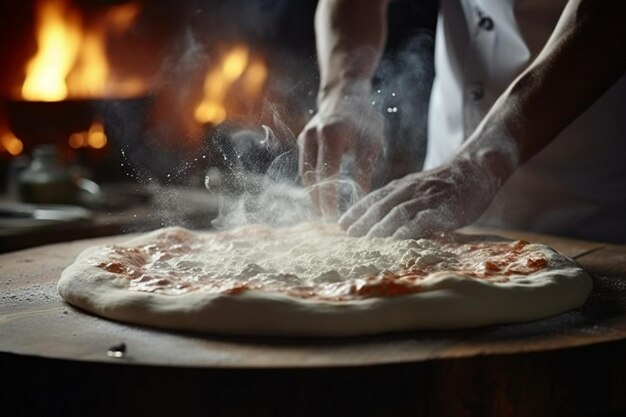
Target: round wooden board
[
  {"x": 53, "y": 358},
  {"x": 34, "y": 320}
]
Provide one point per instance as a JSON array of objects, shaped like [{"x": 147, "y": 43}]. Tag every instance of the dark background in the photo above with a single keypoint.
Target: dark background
[{"x": 172, "y": 42}]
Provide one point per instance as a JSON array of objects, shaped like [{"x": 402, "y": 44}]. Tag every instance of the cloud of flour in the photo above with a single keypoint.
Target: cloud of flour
[
  {"x": 401, "y": 94},
  {"x": 259, "y": 183},
  {"x": 255, "y": 170}
]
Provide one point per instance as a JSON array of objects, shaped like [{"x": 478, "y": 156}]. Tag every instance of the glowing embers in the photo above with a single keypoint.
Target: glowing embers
[
  {"x": 71, "y": 59},
  {"x": 238, "y": 71},
  {"x": 10, "y": 143},
  {"x": 94, "y": 137}
]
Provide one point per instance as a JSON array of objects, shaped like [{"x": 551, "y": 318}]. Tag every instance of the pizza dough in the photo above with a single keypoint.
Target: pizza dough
[{"x": 312, "y": 280}]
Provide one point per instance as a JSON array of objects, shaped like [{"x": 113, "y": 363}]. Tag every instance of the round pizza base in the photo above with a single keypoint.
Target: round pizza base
[{"x": 446, "y": 301}]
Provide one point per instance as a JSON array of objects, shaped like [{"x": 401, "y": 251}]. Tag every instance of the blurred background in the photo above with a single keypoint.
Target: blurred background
[{"x": 112, "y": 112}]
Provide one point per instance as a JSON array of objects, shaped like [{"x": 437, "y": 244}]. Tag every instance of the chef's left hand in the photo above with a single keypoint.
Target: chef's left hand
[{"x": 422, "y": 203}]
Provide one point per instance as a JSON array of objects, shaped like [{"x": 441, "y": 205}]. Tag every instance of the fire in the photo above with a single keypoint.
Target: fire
[
  {"x": 11, "y": 143},
  {"x": 71, "y": 57},
  {"x": 218, "y": 82},
  {"x": 94, "y": 138},
  {"x": 235, "y": 63},
  {"x": 58, "y": 40},
  {"x": 255, "y": 78}
]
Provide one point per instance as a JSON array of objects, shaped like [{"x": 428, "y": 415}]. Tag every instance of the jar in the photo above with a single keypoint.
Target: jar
[{"x": 47, "y": 180}]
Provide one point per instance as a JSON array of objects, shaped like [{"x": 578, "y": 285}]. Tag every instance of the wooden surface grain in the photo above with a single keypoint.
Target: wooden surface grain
[{"x": 34, "y": 320}]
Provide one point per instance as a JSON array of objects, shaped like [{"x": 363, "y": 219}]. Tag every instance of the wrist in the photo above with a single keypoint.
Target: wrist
[
  {"x": 493, "y": 149},
  {"x": 496, "y": 163},
  {"x": 345, "y": 89},
  {"x": 491, "y": 166}
]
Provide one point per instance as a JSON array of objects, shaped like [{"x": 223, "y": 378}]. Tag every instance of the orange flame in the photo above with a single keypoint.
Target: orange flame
[
  {"x": 235, "y": 63},
  {"x": 58, "y": 40},
  {"x": 255, "y": 77},
  {"x": 71, "y": 60},
  {"x": 218, "y": 82}
]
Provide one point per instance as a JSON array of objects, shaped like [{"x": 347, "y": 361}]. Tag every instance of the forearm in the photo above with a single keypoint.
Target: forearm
[
  {"x": 583, "y": 58},
  {"x": 350, "y": 38}
]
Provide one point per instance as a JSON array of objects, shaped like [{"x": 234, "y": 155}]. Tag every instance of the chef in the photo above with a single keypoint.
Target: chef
[{"x": 526, "y": 126}]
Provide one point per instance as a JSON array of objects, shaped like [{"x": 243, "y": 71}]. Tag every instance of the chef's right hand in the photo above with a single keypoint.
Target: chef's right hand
[
  {"x": 448, "y": 197},
  {"x": 344, "y": 124}
]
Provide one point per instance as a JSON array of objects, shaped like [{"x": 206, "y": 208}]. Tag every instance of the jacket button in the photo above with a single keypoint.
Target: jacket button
[{"x": 485, "y": 23}]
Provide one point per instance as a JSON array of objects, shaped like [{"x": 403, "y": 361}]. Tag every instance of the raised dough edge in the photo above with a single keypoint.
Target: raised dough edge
[{"x": 448, "y": 302}]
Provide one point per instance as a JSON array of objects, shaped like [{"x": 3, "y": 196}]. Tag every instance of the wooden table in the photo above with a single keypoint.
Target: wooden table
[
  {"x": 152, "y": 207},
  {"x": 573, "y": 364}
]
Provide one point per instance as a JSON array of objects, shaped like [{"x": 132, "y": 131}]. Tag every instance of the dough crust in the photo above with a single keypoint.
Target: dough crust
[{"x": 446, "y": 300}]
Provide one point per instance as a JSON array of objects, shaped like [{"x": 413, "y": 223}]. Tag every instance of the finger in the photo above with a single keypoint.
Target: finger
[
  {"x": 307, "y": 157},
  {"x": 307, "y": 162},
  {"x": 328, "y": 164},
  {"x": 375, "y": 213},
  {"x": 425, "y": 224},
  {"x": 397, "y": 217},
  {"x": 358, "y": 209}
]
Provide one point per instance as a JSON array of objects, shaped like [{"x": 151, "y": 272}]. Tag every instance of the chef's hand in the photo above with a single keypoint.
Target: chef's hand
[
  {"x": 344, "y": 124},
  {"x": 423, "y": 203}
]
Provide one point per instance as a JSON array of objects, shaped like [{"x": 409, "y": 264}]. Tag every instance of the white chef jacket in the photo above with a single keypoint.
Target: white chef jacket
[{"x": 576, "y": 185}]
